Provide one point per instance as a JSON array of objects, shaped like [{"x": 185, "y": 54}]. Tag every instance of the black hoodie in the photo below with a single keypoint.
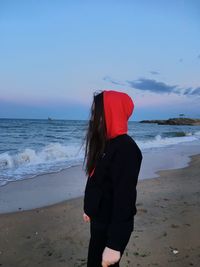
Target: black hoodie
[{"x": 110, "y": 192}]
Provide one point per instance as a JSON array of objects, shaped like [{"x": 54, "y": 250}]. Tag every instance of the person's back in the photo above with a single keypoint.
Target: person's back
[{"x": 123, "y": 149}]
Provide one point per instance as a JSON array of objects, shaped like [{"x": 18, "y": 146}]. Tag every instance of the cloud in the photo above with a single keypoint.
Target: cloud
[
  {"x": 158, "y": 87},
  {"x": 192, "y": 91},
  {"x": 154, "y": 72},
  {"x": 161, "y": 87},
  {"x": 152, "y": 85},
  {"x": 108, "y": 79}
]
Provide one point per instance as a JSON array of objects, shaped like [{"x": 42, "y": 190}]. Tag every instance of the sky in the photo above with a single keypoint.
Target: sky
[{"x": 55, "y": 54}]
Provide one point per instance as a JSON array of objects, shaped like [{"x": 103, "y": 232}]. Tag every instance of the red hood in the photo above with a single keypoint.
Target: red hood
[{"x": 118, "y": 107}]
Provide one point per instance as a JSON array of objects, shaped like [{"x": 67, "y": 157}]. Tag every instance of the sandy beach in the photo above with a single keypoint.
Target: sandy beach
[{"x": 165, "y": 233}]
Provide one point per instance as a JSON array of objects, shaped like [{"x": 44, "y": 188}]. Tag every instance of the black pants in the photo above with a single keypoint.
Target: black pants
[{"x": 97, "y": 244}]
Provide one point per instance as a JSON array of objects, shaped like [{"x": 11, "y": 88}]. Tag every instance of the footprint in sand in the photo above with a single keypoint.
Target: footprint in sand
[
  {"x": 165, "y": 219},
  {"x": 175, "y": 225},
  {"x": 142, "y": 210},
  {"x": 188, "y": 224},
  {"x": 139, "y": 204}
]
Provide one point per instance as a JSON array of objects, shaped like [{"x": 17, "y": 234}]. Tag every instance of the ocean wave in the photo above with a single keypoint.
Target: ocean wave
[
  {"x": 176, "y": 134},
  {"x": 57, "y": 152},
  {"x": 160, "y": 141},
  {"x": 55, "y": 156},
  {"x": 51, "y": 153}
]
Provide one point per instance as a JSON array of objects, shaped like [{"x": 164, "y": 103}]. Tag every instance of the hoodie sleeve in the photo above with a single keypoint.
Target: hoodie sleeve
[{"x": 124, "y": 171}]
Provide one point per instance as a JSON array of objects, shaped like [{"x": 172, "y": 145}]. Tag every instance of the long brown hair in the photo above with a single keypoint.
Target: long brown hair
[{"x": 96, "y": 133}]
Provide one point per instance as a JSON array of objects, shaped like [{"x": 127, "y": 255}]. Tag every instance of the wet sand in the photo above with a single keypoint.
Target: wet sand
[{"x": 167, "y": 222}]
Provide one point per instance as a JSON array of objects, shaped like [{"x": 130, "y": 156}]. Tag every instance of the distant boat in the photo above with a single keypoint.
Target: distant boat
[{"x": 50, "y": 119}]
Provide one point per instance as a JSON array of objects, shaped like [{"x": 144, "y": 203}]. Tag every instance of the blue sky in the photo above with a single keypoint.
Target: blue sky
[{"x": 55, "y": 54}]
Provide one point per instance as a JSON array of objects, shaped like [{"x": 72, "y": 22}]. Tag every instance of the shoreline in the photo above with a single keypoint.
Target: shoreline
[
  {"x": 164, "y": 161},
  {"x": 56, "y": 187},
  {"x": 167, "y": 220}
]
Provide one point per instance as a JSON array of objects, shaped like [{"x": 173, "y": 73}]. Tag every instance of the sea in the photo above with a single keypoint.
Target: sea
[{"x": 30, "y": 147}]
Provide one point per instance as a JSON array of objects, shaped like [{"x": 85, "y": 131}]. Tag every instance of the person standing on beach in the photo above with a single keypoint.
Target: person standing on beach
[{"x": 113, "y": 161}]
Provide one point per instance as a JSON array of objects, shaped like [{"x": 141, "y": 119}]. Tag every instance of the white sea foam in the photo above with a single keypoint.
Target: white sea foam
[
  {"x": 50, "y": 153},
  {"x": 159, "y": 141},
  {"x": 29, "y": 163}
]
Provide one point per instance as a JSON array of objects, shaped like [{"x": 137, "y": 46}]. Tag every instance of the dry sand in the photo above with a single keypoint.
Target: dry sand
[{"x": 167, "y": 220}]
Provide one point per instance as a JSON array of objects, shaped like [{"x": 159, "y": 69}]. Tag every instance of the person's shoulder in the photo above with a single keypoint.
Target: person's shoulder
[{"x": 128, "y": 147}]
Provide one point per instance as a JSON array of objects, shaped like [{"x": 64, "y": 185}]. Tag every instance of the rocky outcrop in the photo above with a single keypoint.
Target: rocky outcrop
[{"x": 174, "y": 121}]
